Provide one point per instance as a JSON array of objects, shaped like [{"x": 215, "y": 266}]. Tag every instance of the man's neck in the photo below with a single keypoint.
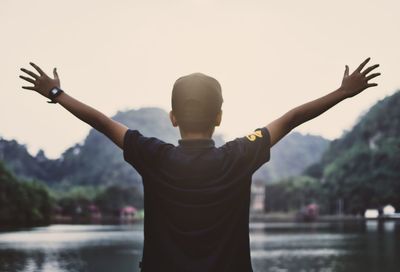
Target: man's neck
[{"x": 196, "y": 135}]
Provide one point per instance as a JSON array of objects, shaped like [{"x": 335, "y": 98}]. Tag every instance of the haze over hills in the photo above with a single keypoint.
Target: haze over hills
[
  {"x": 291, "y": 155},
  {"x": 98, "y": 162}
]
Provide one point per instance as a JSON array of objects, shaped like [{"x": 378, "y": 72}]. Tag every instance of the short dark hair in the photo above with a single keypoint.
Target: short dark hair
[{"x": 196, "y": 101}]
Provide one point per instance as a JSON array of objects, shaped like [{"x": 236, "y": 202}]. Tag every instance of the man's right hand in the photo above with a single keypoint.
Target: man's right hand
[{"x": 42, "y": 83}]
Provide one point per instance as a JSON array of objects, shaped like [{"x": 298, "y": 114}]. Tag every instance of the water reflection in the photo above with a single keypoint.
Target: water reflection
[
  {"x": 72, "y": 248},
  {"x": 364, "y": 246},
  {"x": 67, "y": 236}
]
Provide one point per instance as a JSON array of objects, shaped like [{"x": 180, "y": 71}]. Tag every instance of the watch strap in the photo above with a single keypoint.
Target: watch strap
[{"x": 53, "y": 93}]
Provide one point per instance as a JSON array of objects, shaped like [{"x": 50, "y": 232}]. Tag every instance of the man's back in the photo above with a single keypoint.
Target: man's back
[{"x": 197, "y": 200}]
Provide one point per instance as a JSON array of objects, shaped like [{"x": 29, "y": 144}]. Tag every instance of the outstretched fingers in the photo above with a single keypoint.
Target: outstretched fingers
[
  {"x": 32, "y": 74},
  {"x": 369, "y": 69},
  {"x": 27, "y": 79},
  {"x": 373, "y": 76},
  {"x": 362, "y": 65},
  {"x": 366, "y": 72},
  {"x": 37, "y": 68},
  {"x": 368, "y": 76},
  {"x": 29, "y": 88}
]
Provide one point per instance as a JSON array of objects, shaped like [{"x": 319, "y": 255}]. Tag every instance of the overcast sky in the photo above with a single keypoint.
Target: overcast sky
[{"x": 269, "y": 57}]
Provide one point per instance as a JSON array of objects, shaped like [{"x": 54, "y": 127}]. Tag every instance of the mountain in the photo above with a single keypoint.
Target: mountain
[
  {"x": 291, "y": 155},
  {"x": 98, "y": 162},
  {"x": 21, "y": 162},
  {"x": 362, "y": 168}
]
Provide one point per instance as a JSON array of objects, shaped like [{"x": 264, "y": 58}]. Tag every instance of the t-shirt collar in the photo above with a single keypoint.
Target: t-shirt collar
[{"x": 196, "y": 142}]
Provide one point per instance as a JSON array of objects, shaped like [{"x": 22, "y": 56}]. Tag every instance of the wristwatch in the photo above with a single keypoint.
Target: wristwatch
[{"x": 53, "y": 94}]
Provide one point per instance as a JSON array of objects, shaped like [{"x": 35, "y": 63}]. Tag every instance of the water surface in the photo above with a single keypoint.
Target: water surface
[{"x": 363, "y": 246}]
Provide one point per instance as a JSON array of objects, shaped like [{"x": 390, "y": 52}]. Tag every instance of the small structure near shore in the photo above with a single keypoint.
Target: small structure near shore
[
  {"x": 388, "y": 212},
  {"x": 94, "y": 212},
  {"x": 308, "y": 213},
  {"x": 128, "y": 213},
  {"x": 371, "y": 214}
]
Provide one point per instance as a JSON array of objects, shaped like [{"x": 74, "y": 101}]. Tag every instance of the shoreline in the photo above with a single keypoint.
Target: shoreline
[
  {"x": 283, "y": 218},
  {"x": 254, "y": 218}
]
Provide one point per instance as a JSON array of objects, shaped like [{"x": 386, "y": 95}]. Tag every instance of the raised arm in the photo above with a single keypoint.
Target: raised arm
[
  {"x": 42, "y": 84},
  {"x": 352, "y": 84}
]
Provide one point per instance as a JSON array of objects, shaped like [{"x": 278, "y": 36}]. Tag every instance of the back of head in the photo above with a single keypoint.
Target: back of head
[{"x": 196, "y": 101}]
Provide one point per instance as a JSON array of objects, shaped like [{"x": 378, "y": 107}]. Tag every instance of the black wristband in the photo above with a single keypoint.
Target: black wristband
[{"x": 53, "y": 93}]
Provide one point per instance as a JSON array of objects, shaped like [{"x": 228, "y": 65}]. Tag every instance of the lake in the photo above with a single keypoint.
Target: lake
[{"x": 360, "y": 246}]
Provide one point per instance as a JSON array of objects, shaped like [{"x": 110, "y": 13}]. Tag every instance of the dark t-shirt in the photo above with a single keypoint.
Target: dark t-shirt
[{"x": 196, "y": 200}]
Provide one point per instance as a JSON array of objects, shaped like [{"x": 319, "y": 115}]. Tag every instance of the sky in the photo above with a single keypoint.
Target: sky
[{"x": 269, "y": 56}]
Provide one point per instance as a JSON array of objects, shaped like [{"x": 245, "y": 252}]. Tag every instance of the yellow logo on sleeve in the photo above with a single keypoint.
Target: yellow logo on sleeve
[{"x": 252, "y": 137}]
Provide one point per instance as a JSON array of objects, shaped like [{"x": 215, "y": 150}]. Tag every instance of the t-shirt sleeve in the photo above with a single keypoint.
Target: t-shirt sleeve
[
  {"x": 142, "y": 152},
  {"x": 251, "y": 151}
]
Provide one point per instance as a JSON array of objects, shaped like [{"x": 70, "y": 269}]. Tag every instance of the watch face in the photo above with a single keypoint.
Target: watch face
[{"x": 54, "y": 91}]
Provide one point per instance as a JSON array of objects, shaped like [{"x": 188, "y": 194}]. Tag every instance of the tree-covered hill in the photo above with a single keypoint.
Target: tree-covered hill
[
  {"x": 23, "y": 203},
  {"x": 376, "y": 129},
  {"x": 98, "y": 162},
  {"x": 18, "y": 159},
  {"x": 359, "y": 170}
]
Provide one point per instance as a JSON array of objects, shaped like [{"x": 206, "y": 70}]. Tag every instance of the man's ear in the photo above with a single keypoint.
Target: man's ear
[
  {"x": 218, "y": 119},
  {"x": 173, "y": 119}
]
